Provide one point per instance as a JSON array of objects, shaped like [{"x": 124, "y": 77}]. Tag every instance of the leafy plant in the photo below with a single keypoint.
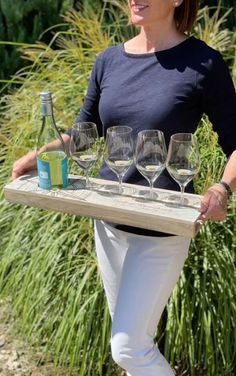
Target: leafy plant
[
  {"x": 50, "y": 269},
  {"x": 21, "y": 22},
  {"x": 202, "y": 308},
  {"x": 225, "y": 5}
]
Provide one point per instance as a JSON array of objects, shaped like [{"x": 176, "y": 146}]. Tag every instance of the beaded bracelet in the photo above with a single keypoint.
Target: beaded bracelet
[{"x": 226, "y": 188}]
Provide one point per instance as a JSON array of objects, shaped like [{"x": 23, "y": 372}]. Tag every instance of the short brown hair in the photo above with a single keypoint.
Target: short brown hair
[{"x": 186, "y": 14}]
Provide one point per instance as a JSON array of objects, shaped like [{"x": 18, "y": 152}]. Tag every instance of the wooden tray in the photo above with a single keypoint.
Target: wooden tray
[{"x": 102, "y": 201}]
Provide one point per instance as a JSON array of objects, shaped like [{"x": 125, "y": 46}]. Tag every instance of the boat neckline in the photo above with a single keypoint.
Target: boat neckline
[{"x": 149, "y": 54}]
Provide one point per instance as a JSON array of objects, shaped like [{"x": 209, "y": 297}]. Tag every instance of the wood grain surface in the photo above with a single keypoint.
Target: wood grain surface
[{"x": 102, "y": 201}]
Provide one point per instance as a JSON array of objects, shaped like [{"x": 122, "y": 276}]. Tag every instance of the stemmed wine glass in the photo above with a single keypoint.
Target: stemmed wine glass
[
  {"x": 183, "y": 160},
  {"x": 119, "y": 151},
  {"x": 84, "y": 146},
  {"x": 150, "y": 155}
]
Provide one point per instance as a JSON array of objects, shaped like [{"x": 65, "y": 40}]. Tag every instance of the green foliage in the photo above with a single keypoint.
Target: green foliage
[
  {"x": 210, "y": 28},
  {"x": 48, "y": 263},
  {"x": 202, "y": 310},
  {"x": 23, "y": 21},
  {"x": 225, "y": 5},
  {"x": 51, "y": 273}
]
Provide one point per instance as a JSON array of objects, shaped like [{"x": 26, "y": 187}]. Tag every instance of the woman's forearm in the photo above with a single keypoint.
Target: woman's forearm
[
  {"x": 229, "y": 175},
  {"x": 56, "y": 143}
]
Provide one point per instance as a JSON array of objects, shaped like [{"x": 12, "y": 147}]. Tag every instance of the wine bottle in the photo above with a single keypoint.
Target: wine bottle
[{"x": 52, "y": 162}]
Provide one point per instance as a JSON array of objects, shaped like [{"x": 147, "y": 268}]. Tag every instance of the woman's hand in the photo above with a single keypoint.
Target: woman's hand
[
  {"x": 27, "y": 163},
  {"x": 214, "y": 204}
]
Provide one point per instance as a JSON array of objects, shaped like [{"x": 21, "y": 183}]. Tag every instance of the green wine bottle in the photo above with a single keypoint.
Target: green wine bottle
[{"x": 52, "y": 162}]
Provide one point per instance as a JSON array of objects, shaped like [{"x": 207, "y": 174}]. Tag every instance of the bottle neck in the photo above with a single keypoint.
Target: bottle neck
[{"x": 47, "y": 109}]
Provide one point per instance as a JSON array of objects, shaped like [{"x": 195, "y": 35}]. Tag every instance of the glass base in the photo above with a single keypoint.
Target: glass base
[
  {"x": 145, "y": 194},
  {"x": 177, "y": 199}
]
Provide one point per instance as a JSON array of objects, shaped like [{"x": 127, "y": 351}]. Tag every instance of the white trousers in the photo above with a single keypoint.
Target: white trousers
[{"x": 139, "y": 274}]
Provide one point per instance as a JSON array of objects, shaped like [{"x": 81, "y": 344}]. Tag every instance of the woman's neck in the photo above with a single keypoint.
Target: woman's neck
[{"x": 157, "y": 39}]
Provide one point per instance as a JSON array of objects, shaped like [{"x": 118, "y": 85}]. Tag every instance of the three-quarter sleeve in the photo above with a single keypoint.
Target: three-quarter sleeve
[
  {"x": 90, "y": 109},
  {"x": 219, "y": 103}
]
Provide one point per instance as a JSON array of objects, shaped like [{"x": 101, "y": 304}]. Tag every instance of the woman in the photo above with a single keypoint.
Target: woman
[{"x": 160, "y": 79}]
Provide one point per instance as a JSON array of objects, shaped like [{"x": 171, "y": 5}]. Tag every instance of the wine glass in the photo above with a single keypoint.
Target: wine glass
[
  {"x": 84, "y": 146},
  {"x": 119, "y": 151},
  {"x": 150, "y": 155},
  {"x": 183, "y": 160}
]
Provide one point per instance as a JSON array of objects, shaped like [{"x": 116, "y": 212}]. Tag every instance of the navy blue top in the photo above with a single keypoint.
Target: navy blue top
[{"x": 168, "y": 90}]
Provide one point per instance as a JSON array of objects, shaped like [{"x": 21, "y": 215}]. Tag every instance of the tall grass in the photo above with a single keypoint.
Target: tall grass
[
  {"x": 48, "y": 265},
  {"x": 202, "y": 310}
]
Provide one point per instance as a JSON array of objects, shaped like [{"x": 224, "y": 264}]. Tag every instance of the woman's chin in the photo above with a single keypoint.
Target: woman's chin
[{"x": 137, "y": 20}]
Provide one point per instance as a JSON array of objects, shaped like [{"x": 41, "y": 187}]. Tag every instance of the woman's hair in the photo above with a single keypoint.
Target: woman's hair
[{"x": 186, "y": 14}]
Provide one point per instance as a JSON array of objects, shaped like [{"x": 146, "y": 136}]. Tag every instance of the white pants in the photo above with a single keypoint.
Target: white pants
[{"x": 139, "y": 274}]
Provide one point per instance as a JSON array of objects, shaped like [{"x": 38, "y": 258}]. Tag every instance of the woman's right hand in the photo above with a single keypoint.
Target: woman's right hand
[{"x": 27, "y": 163}]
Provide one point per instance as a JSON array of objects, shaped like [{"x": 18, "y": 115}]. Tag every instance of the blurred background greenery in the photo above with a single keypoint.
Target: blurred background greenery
[{"x": 48, "y": 266}]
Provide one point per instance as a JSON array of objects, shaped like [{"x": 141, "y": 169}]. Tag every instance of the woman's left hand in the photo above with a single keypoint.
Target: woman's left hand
[{"x": 214, "y": 204}]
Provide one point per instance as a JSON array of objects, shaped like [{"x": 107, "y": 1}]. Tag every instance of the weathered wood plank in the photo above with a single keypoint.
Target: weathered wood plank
[{"x": 102, "y": 202}]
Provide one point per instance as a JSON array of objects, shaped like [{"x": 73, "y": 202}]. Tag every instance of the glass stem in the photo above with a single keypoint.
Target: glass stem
[
  {"x": 182, "y": 187},
  {"x": 120, "y": 177},
  {"x": 151, "y": 189},
  {"x": 87, "y": 183}
]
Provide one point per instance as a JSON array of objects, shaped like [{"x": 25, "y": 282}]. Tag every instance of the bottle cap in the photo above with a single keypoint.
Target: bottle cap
[
  {"x": 46, "y": 103},
  {"x": 46, "y": 97}
]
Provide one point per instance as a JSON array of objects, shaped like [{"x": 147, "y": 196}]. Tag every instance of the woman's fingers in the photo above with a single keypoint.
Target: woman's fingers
[
  {"x": 24, "y": 164},
  {"x": 214, "y": 205}
]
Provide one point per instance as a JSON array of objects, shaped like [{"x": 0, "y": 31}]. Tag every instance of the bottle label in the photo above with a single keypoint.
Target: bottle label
[{"x": 52, "y": 170}]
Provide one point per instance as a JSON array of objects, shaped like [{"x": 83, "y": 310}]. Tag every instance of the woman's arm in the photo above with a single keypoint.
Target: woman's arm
[{"x": 215, "y": 200}]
